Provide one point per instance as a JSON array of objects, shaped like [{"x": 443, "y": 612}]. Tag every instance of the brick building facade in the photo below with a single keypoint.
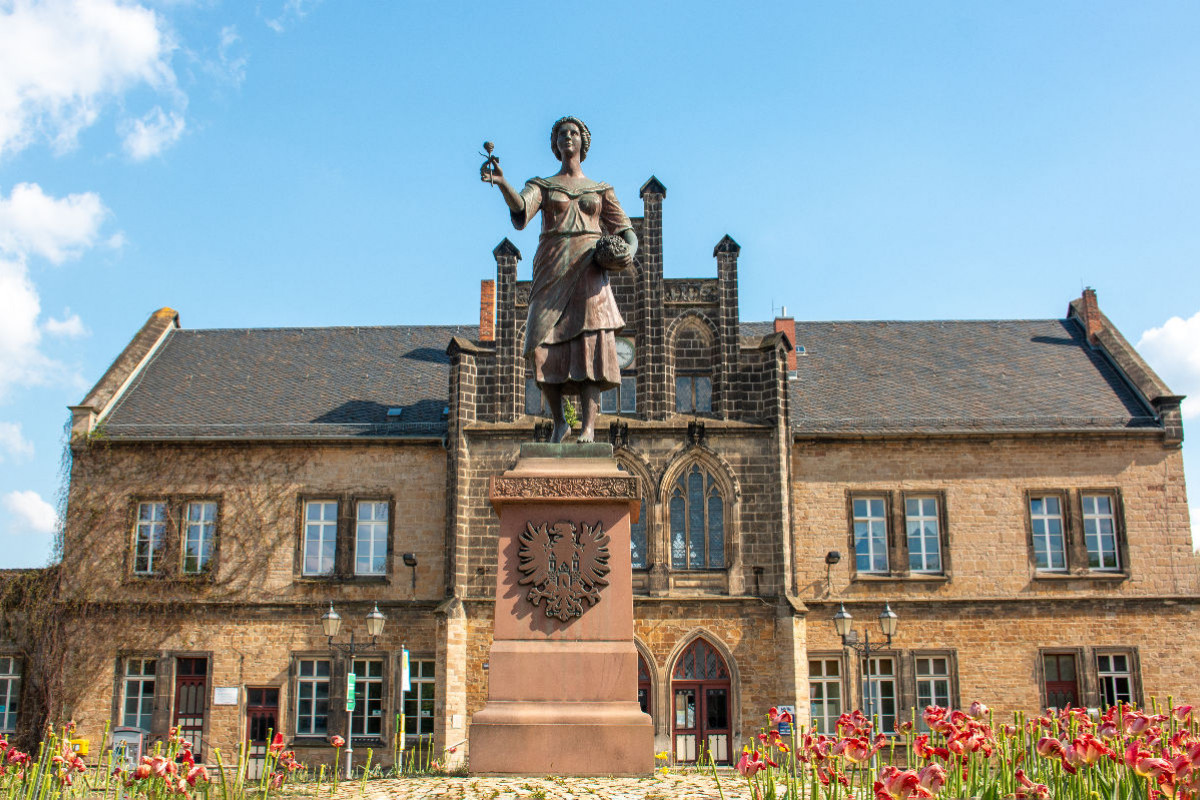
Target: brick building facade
[{"x": 1013, "y": 489}]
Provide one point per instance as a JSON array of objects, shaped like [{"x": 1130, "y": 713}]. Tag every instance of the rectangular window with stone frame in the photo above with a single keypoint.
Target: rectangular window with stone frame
[
  {"x": 312, "y": 693},
  {"x": 174, "y": 537},
  {"x": 935, "y": 682},
  {"x": 138, "y": 692},
  {"x": 826, "y": 691},
  {"x": 344, "y": 536},
  {"x": 420, "y": 703},
  {"x": 1118, "y": 675},
  {"x": 10, "y": 692},
  {"x": 898, "y": 534},
  {"x": 1077, "y": 533}
]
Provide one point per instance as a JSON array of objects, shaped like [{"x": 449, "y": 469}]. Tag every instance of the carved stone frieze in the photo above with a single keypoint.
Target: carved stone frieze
[
  {"x": 564, "y": 487},
  {"x": 564, "y": 565},
  {"x": 522, "y": 293},
  {"x": 690, "y": 291}
]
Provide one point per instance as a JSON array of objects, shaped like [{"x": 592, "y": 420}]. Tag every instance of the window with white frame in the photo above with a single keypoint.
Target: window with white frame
[
  {"x": 879, "y": 691},
  {"x": 1046, "y": 521},
  {"x": 10, "y": 692},
  {"x": 693, "y": 394},
  {"x": 367, "y": 717},
  {"x": 371, "y": 538},
  {"x": 697, "y": 518},
  {"x": 824, "y": 693},
  {"x": 1100, "y": 531},
  {"x": 418, "y": 701},
  {"x": 320, "y": 537},
  {"x": 870, "y": 534},
  {"x": 1116, "y": 678},
  {"x": 312, "y": 697},
  {"x": 933, "y": 683},
  {"x": 137, "y": 694},
  {"x": 922, "y": 529},
  {"x": 150, "y": 538},
  {"x": 199, "y": 535}
]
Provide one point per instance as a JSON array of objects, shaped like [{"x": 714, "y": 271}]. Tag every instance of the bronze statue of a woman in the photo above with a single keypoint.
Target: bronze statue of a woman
[{"x": 570, "y": 335}]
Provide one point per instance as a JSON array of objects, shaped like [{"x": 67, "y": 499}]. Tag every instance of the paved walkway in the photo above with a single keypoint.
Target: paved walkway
[{"x": 673, "y": 786}]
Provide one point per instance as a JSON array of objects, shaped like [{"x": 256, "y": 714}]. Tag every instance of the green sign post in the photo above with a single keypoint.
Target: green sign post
[{"x": 350, "y": 679}]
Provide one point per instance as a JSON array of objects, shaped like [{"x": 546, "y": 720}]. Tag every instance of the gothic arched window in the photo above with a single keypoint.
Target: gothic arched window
[
  {"x": 638, "y": 543},
  {"x": 697, "y": 514}
]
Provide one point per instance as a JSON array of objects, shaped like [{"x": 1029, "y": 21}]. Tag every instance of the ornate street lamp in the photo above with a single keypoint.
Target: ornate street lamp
[
  {"x": 843, "y": 623},
  {"x": 331, "y": 624}
]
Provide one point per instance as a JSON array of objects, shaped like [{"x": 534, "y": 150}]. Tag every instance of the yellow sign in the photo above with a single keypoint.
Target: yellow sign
[{"x": 80, "y": 746}]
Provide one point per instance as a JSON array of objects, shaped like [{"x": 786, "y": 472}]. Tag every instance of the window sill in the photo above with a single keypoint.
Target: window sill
[
  {"x": 348, "y": 579},
  {"x": 921, "y": 577},
  {"x": 1056, "y": 577}
]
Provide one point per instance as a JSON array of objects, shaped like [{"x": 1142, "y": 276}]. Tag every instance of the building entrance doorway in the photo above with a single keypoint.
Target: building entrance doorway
[
  {"x": 191, "y": 701},
  {"x": 700, "y": 704},
  {"x": 262, "y": 722}
]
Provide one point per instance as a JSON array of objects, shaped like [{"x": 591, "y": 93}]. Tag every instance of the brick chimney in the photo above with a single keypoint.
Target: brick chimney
[
  {"x": 1089, "y": 313},
  {"x": 487, "y": 311},
  {"x": 787, "y": 326}
]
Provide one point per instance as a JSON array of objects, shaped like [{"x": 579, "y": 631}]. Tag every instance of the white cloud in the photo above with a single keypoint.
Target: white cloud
[
  {"x": 63, "y": 61},
  {"x": 292, "y": 11},
  {"x": 231, "y": 67},
  {"x": 70, "y": 326},
  {"x": 13, "y": 442},
  {"x": 31, "y": 511},
  {"x": 1173, "y": 350},
  {"x": 153, "y": 133},
  {"x": 34, "y": 223}
]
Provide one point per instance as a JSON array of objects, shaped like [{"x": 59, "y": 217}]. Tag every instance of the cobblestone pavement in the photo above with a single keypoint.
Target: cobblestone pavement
[{"x": 661, "y": 787}]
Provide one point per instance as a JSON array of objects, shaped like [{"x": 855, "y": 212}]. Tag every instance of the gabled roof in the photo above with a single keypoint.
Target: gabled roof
[
  {"x": 859, "y": 377},
  {"x": 962, "y": 375},
  {"x": 291, "y": 382}
]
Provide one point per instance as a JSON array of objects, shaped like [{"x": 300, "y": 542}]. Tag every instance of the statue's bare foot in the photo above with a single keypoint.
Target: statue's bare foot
[
  {"x": 586, "y": 435},
  {"x": 561, "y": 430}
]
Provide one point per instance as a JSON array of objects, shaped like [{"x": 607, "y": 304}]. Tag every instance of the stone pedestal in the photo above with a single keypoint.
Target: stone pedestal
[{"x": 562, "y": 680}]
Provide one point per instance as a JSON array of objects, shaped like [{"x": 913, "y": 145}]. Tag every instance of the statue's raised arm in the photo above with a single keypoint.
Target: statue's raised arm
[{"x": 571, "y": 332}]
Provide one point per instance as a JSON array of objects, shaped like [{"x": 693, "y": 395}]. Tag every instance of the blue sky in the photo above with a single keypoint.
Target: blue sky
[{"x": 290, "y": 163}]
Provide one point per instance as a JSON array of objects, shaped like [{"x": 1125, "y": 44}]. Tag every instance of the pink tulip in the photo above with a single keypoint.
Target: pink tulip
[
  {"x": 337, "y": 741},
  {"x": 749, "y": 765},
  {"x": 1048, "y": 747},
  {"x": 978, "y": 710},
  {"x": 932, "y": 777},
  {"x": 1182, "y": 713},
  {"x": 1152, "y": 767}
]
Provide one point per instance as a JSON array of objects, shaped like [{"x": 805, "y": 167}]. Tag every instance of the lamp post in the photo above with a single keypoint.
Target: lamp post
[
  {"x": 843, "y": 623},
  {"x": 331, "y": 623}
]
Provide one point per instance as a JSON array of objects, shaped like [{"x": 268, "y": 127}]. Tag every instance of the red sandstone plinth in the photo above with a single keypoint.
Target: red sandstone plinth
[{"x": 562, "y": 693}]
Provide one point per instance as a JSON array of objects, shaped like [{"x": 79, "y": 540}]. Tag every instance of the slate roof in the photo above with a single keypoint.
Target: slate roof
[
  {"x": 961, "y": 375},
  {"x": 855, "y": 377},
  {"x": 291, "y": 382}
]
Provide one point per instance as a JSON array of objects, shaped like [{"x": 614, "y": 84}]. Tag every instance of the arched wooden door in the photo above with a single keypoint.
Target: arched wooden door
[{"x": 700, "y": 704}]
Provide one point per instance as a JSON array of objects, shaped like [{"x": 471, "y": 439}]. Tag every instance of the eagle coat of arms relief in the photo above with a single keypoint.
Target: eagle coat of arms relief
[{"x": 565, "y": 564}]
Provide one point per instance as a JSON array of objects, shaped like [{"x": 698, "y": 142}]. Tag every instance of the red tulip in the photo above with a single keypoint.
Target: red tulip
[
  {"x": 276, "y": 744},
  {"x": 978, "y": 710},
  {"x": 1182, "y": 713},
  {"x": 1152, "y": 767},
  {"x": 337, "y": 741}
]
